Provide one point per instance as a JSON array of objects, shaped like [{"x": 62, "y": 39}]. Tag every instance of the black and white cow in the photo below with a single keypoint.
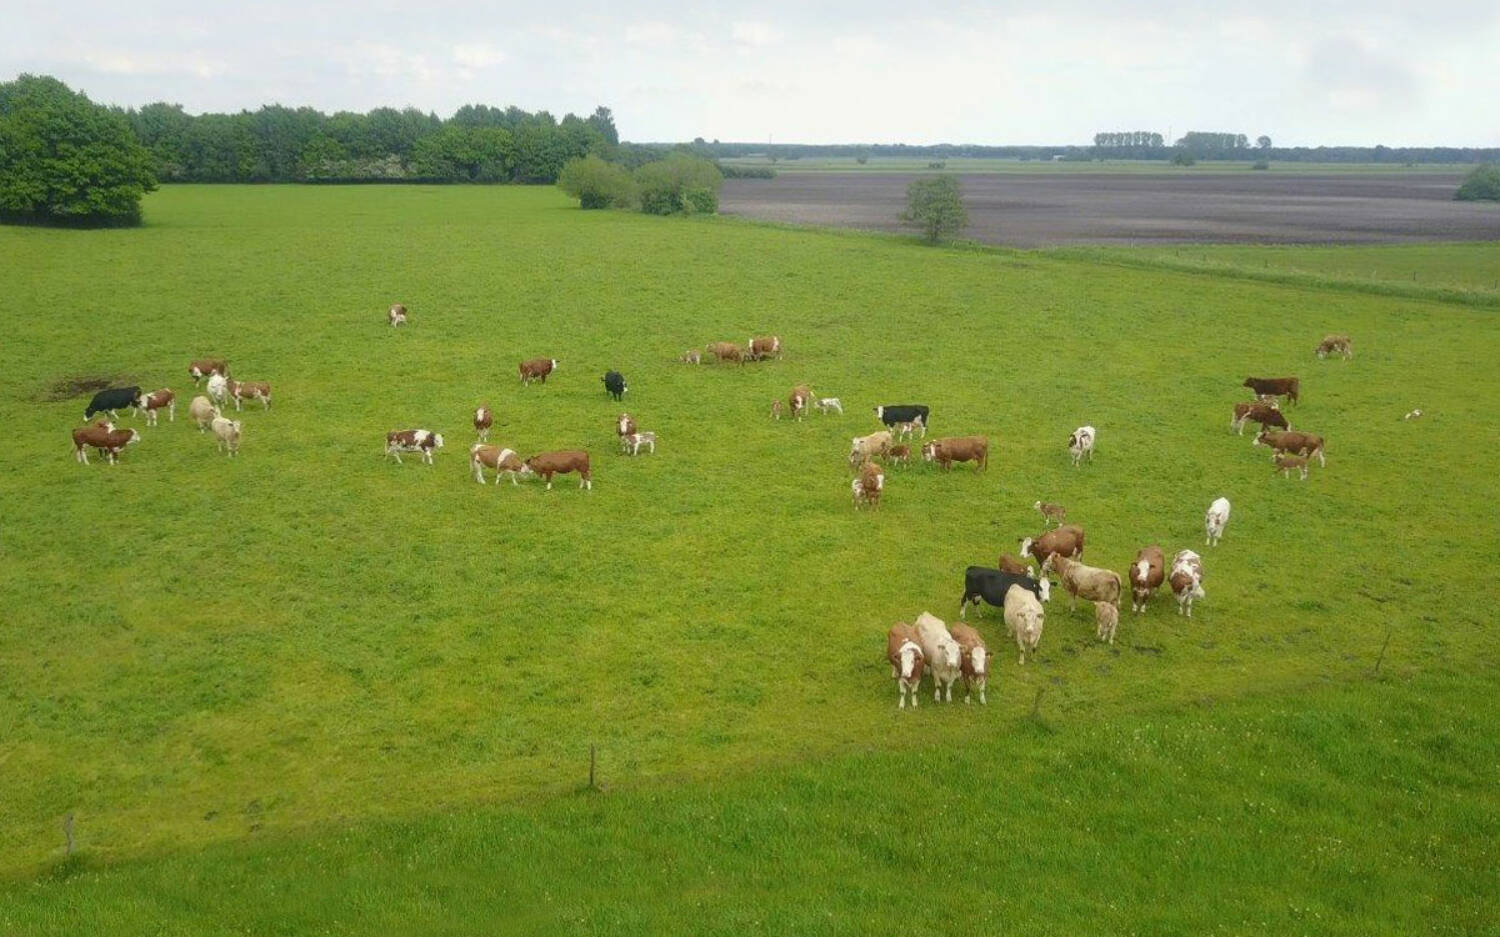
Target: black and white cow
[
  {"x": 903, "y": 413},
  {"x": 112, "y": 399},
  {"x": 614, "y": 384},
  {"x": 983, "y": 582}
]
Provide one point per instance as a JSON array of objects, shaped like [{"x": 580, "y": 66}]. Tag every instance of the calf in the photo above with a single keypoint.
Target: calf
[
  {"x": 228, "y": 434},
  {"x": 1288, "y": 387},
  {"x": 537, "y": 369},
  {"x": 776, "y": 407},
  {"x": 973, "y": 660},
  {"x": 767, "y": 347},
  {"x": 1186, "y": 579},
  {"x": 203, "y": 367},
  {"x": 614, "y": 384},
  {"x": 867, "y": 486},
  {"x": 112, "y": 399},
  {"x": 824, "y": 404},
  {"x": 1266, "y": 414},
  {"x": 202, "y": 411},
  {"x": 162, "y": 399},
  {"x": 503, "y": 461},
  {"x": 547, "y": 464},
  {"x": 904, "y": 650},
  {"x": 396, "y": 315},
  {"x": 1285, "y": 463},
  {"x": 725, "y": 351},
  {"x": 625, "y": 425},
  {"x": 905, "y": 430},
  {"x": 1297, "y": 443},
  {"x": 1051, "y": 513},
  {"x": 484, "y": 418},
  {"x": 1081, "y": 444},
  {"x": 634, "y": 441},
  {"x": 691, "y": 356},
  {"x": 945, "y": 452},
  {"x": 800, "y": 399},
  {"x": 1335, "y": 344},
  {"x": 942, "y": 654},
  {"x": 1081, "y": 581},
  {"x": 1214, "y": 521},
  {"x": 1009, "y": 564},
  {"x": 1106, "y": 621},
  {"x": 1067, "y": 540},
  {"x": 104, "y": 437},
  {"x": 991, "y": 585},
  {"x": 898, "y": 454},
  {"x": 1024, "y": 618},
  {"x": 250, "y": 390},
  {"x": 890, "y": 415},
  {"x": 412, "y": 440},
  {"x": 1146, "y": 575},
  {"x": 863, "y": 448}
]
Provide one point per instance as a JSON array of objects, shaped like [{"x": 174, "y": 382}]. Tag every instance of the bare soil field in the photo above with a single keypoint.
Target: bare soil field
[{"x": 1113, "y": 208}]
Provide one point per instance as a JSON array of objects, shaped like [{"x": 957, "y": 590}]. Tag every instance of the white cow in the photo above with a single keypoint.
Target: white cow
[
  {"x": 942, "y": 653},
  {"x": 1215, "y": 519},
  {"x": 228, "y": 433},
  {"x": 1081, "y": 444},
  {"x": 218, "y": 387}
]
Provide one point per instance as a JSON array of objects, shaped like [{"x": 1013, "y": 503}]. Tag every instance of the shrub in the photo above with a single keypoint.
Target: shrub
[
  {"x": 936, "y": 206},
  {"x": 66, "y": 160},
  {"x": 1261, "y": 164},
  {"x": 1483, "y": 184},
  {"x": 596, "y": 184},
  {"x": 1183, "y": 159},
  {"x": 746, "y": 172},
  {"x": 679, "y": 183},
  {"x": 940, "y": 164},
  {"x": 861, "y": 159}
]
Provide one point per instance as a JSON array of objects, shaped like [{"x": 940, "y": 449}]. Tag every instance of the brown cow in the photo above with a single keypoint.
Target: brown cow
[
  {"x": 547, "y": 464},
  {"x": 537, "y": 369},
  {"x": 103, "y": 436},
  {"x": 1285, "y": 463},
  {"x": 484, "y": 418},
  {"x": 691, "y": 356},
  {"x": 868, "y": 485},
  {"x": 499, "y": 458},
  {"x": 1288, "y": 387},
  {"x": 1009, "y": 564},
  {"x": 396, "y": 315},
  {"x": 1146, "y": 575},
  {"x": 898, "y": 454},
  {"x": 1266, "y": 414},
  {"x": 800, "y": 399},
  {"x": 945, "y": 452},
  {"x": 158, "y": 400},
  {"x": 903, "y": 648},
  {"x": 974, "y": 659},
  {"x": 1066, "y": 540},
  {"x": 1296, "y": 443},
  {"x": 767, "y": 347},
  {"x": 202, "y": 368},
  {"x": 726, "y": 351},
  {"x": 250, "y": 390}
]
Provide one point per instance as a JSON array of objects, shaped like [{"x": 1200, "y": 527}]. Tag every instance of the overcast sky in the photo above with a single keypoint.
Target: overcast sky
[{"x": 1042, "y": 71}]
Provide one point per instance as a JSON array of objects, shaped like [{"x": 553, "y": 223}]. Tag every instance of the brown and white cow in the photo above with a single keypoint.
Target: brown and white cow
[
  {"x": 903, "y": 648},
  {"x": 484, "y": 418},
  {"x": 1294, "y": 442},
  {"x": 203, "y": 367},
  {"x": 868, "y": 485},
  {"x": 1285, "y": 463},
  {"x": 633, "y": 442},
  {"x": 624, "y": 425},
  {"x": 800, "y": 400},
  {"x": 547, "y": 464},
  {"x": 1009, "y": 564},
  {"x": 1051, "y": 513},
  {"x": 202, "y": 411},
  {"x": 766, "y": 347},
  {"x": 1266, "y": 414},
  {"x": 227, "y": 432},
  {"x": 250, "y": 390},
  {"x": 1146, "y": 575},
  {"x": 412, "y": 440},
  {"x": 1288, "y": 387},
  {"x": 974, "y": 660},
  {"x": 1106, "y": 621},
  {"x": 1082, "y": 581},
  {"x": 502, "y": 460},
  {"x": 104, "y": 437},
  {"x": 1186, "y": 580},
  {"x": 726, "y": 351},
  {"x": 691, "y": 356},
  {"x": 864, "y": 448},
  {"x": 945, "y": 452},
  {"x": 776, "y": 408},
  {"x": 157, "y": 400},
  {"x": 537, "y": 369},
  {"x": 396, "y": 315},
  {"x": 1335, "y": 344},
  {"x": 899, "y": 454},
  {"x": 1066, "y": 540}
]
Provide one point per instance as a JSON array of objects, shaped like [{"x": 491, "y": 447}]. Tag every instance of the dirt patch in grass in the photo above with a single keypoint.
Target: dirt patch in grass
[{"x": 80, "y": 385}]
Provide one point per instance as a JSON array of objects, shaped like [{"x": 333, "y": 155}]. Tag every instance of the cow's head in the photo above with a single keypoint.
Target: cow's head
[
  {"x": 911, "y": 657},
  {"x": 1262, "y": 438},
  {"x": 437, "y": 440},
  {"x": 554, "y": 363},
  {"x": 929, "y": 451},
  {"x": 978, "y": 661},
  {"x": 951, "y": 654},
  {"x": 880, "y": 413}
]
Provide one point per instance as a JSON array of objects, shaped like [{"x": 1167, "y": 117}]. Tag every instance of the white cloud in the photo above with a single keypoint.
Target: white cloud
[
  {"x": 752, "y": 33},
  {"x": 652, "y": 34},
  {"x": 477, "y": 55}
]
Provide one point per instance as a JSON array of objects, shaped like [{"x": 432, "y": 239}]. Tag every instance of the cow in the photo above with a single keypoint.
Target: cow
[
  {"x": 1081, "y": 581},
  {"x": 104, "y": 437},
  {"x": 1081, "y": 444},
  {"x": 112, "y": 399},
  {"x": 867, "y": 486},
  {"x": 776, "y": 407},
  {"x": 250, "y": 390},
  {"x": 973, "y": 660},
  {"x": 1009, "y": 564},
  {"x": 799, "y": 400},
  {"x": 625, "y": 425},
  {"x": 633, "y": 442},
  {"x": 202, "y": 411},
  {"x": 1106, "y": 621},
  {"x": 824, "y": 404},
  {"x": 991, "y": 585},
  {"x": 904, "y": 650},
  {"x": 412, "y": 440},
  {"x": 1051, "y": 513},
  {"x": 547, "y": 464},
  {"x": 1288, "y": 387},
  {"x": 1146, "y": 575},
  {"x": 157, "y": 400},
  {"x": 1067, "y": 540},
  {"x": 691, "y": 356},
  {"x": 767, "y": 347},
  {"x": 614, "y": 384},
  {"x": 203, "y": 367},
  {"x": 725, "y": 351},
  {"x": 898, "y": 454},
  {"x": 1266, "y": 414},
  {"x": 1295, "y": 442},
  {"x": 537, "y": 369},
  {"x": 1413, "y": 415},
  {"x": 1285, "y": 463},
  {"x": 891, "y": 414},
  {"x": 228, "y": 434},
  {"x": 1186, "y": 579},
  {"x": 218, "y": 388},
  {"x": 503, "y": 461},
  {"x": 1335, "y": 344},
  {"x": 1024, "y": 617},
  {"x": 863, "y": 448},
  {"x": 905, "y": 430},
  {"x": 396, "y": 315},
  {"x": 945, "y": 452},
  {"x": 942, "y": 654},
  {"x": 1214, "y": 520},
  {"x": 484, "y": 418}
]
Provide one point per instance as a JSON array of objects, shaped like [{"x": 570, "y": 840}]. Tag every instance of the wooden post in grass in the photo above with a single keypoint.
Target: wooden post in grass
[
  {"x": 68, "y": 832},
  {"x": 1381, "y": 657}
]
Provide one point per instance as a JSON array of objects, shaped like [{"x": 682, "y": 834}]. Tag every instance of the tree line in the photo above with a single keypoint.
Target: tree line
[{"x": 1130, "y": 139}]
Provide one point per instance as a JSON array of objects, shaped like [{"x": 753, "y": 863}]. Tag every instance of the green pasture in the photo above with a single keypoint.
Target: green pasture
[{"x": 309, "y": 690}]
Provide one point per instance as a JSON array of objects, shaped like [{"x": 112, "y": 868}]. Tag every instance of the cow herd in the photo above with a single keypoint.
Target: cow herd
[{"x": 206, "y": 411}]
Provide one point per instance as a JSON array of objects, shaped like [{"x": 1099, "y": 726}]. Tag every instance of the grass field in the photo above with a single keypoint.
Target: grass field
[
  {"x": 983, "y": 165},
  {"x": 307, "y": 690}
]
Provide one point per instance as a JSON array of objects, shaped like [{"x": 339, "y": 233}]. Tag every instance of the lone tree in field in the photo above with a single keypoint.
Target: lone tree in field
[
  {"x": 597, "y": 184},
  {"x": 65, "y": 160},
  {"x": 1481, "y": 185},
  {"x": 936, "y": 207}
]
